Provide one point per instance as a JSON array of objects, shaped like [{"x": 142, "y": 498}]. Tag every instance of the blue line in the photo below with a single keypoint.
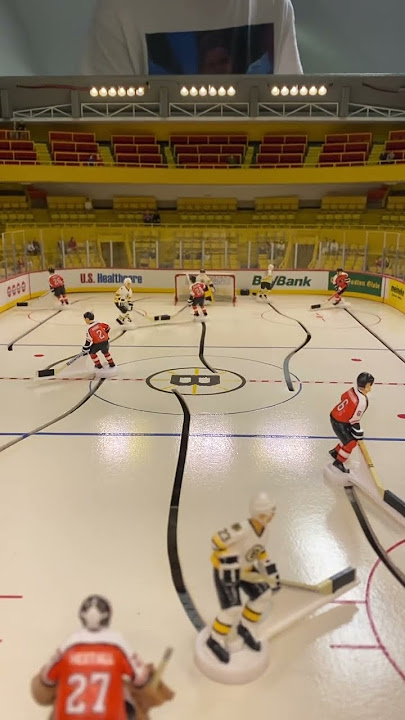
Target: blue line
[
  {"x": 197, "y": 435},
  {"x": 215, "y": 347}
]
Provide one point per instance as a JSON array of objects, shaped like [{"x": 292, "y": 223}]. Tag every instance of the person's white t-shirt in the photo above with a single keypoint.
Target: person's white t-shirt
[{"x": 141, "y": 37}]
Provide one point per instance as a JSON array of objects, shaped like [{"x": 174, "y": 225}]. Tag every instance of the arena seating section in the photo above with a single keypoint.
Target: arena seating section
[
  {"x": 396, "y": 144},
  {"x": 69, "y": 208},
  {"x": 345, "y": 149},
  {"x": 136, "y": 150},
  {"x": 276, "y": 210},
  {"x": 208, "y": 151},
  {"x": 16, "y": 151},
  {"x": 133, "y": 209},
  {"x": 281, "y": 151},
  {"x": 73, "y": 148}
]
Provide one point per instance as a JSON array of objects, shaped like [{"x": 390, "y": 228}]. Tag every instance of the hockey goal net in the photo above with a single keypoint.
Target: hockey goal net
[{"x": 224, "y": 284}]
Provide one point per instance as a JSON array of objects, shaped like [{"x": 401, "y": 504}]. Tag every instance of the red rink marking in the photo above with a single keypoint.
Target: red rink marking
[
  {"x": 401, "y": 416},
  {"x": 38, "y": 355},
  {"x": 357, "y": 360}
]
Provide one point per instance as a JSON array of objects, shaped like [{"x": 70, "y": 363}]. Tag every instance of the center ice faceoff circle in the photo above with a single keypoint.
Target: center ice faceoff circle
[
  {"x": 245, "y": 385},
  {"x": 196, "y": 381}
]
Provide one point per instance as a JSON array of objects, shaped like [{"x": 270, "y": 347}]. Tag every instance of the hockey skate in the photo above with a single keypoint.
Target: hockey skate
[
  {"x": 248, "y": 638},
  {"x": 339, "y": 465},
  {"x": 219, "y": 651},
  {"x": 120, "y": 321},
  {"x": 333, "y": 453}
]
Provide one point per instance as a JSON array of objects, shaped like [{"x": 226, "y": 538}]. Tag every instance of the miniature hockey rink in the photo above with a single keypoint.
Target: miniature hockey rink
[{"x": 85, "y": 502}]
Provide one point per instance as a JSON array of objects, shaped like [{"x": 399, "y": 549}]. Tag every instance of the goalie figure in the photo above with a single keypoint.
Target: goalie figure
[
  {"x": 241, "y": 550},
  {"x": 345, "y": 420},
  {"x": 123, "y": 301},
  {"x": 340, "y": 282},
  {"x": 94, "y": 674},
  {"x": 210, "y": 287},
  {"x": 267, "y": 282}
]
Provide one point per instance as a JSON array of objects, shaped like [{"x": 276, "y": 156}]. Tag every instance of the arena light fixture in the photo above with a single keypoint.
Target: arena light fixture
[
  {"x": 184, "y": 91},
  {"x": 131, "y": 92},
  {"x": 294, "y": 90},
  {"x": 275, "y": 90},
  {"x": 221, "y": 91},
  {"x": 140, "y": 91},
  {"x": 193, "y": 91},
  {"x": 313, "y": 90},
  {"x": 121, "y": 92},
  {"x": 322, "y": 90},
  {"x": 103, "y": 92},
  {"x": 285, "y": 91},
  {"x": 304, "y": 90},
  {"x": 112, "y": 91},
  {"x": 212, "y": 91},
  {"x": 203, "y": 91},
  {"x": 231, "y": 91},
  {"x": 94, "y": 92}
]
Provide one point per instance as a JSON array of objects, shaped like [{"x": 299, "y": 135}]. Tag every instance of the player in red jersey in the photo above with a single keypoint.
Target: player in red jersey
[
  {"x": 57, "y": 286},
  {"x": 97, "y": 340},
  {"x": 345, "y": 419},
  {"x": 94, "y": 675},
  {"x": 340, "y": 281},
  {"x": 197, "y": 296}
]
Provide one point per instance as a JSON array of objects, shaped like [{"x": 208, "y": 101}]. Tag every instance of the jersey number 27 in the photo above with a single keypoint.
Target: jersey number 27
[{"x": 77, "y": 704}]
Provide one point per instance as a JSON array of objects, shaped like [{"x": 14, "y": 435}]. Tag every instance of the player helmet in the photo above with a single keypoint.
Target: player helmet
[
  {"x": 202, "y": 272},
  {"x": 95, "y": 613},
  {"x": 261, "y": 504},
  {"x": 88, "y": 316},
  {"x": 364, "y": 379},
  {"x": 193, "y": 278},
  {"x": 340, "y": 270},
  {"x": 51, "y": 270},
  {"x": 127, "y": 281},
  {"x": 270, "y": 268}
]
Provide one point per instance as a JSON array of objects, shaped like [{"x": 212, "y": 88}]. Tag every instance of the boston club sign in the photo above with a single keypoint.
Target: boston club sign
[{"x": 16, "y": 288}]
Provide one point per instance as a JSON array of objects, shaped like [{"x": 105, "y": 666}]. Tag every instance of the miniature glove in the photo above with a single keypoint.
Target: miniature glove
[
  {"x": 85, "y": 349},
  {"x": 357, "y": 432},
  {"x": 270, "y": 569}
]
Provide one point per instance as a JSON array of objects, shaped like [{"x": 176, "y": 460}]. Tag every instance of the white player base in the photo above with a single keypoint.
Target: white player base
[
  {"x": 244, "y": 666},
  {"x": 360, "y": 477}
]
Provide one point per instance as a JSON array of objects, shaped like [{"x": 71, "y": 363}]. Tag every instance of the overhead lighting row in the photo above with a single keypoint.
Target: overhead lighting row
[
  {"x": 117, "y": 91},
  {"x": 211, "y": 90},
  {"x": 296, "y": 90}
]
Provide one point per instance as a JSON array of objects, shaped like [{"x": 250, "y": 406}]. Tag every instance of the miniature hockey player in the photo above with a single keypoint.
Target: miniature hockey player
[
  {"x": 123, "y": 301},
  {"x": 204, "y": 278},
  {"x": 340, "y": 282},
  {"x": 94, "y": 674},
  {"x": 57, "y": 286},
  {"x": 345, "y": 420},
  {"x": 197, "y": 295},
  {"x": 97, "y": 340},
  {"x": 267, "y": 282},
  {"x": 238, "y": 549}
]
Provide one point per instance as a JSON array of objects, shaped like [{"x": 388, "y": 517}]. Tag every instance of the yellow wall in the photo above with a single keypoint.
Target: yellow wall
[
  {"x": 229, "y": 176},
  {"x": 255, "y": 129}
]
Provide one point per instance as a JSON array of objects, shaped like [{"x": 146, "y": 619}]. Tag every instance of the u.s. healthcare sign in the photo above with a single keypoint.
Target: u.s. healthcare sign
[{"x": 362, "y": 283}]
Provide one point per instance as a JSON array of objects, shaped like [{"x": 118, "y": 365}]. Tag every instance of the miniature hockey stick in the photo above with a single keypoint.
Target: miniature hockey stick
[
  {"x": 25, "y": 304},
  {"x": 371, "y": 536},
  {"x": 326, "y": 587},
  {"x": 10, "y": 346},
  {"x": 388, "y": 497},
  {"x": 157, "y": 675},
  {"x": 51, "y": 372},
  {"x": 321, "y": 305}
]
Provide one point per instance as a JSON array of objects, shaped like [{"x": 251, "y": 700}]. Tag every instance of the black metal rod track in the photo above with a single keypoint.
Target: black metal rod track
[
  {"x": 286, "y": 363},
  {"x": 172, "y": 540},
  {"x": 54, "y": 420},
  {"x": 202, "y": 348},
  {"x": 20, "y": 337},
  {"x": 377, "y": 337},
  {"x": 371, "y": 536}
]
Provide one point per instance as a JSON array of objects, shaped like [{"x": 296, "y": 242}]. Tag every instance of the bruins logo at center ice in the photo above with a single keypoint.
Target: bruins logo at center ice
[{"x": 196, "y": 381}]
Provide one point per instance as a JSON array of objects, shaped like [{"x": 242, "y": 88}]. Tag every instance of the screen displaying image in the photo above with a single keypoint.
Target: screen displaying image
[{"x": 150, "y": 37}]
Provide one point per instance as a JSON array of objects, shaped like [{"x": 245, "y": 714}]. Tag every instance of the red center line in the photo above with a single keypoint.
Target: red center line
[
  {"x": 272, "y": 380},
  {"x": 11, "y": 597},
  {"x": 356, "y": 647}
]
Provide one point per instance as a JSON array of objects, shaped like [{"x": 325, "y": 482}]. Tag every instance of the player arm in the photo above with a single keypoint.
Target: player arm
[
  {"x": 107, "y": 50},
  {"x": 227, "y": 564},
  {"x": 87, "y": 345},
  {"x": 357, "y": 432},
  {"x": 287, "y": 60}
]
